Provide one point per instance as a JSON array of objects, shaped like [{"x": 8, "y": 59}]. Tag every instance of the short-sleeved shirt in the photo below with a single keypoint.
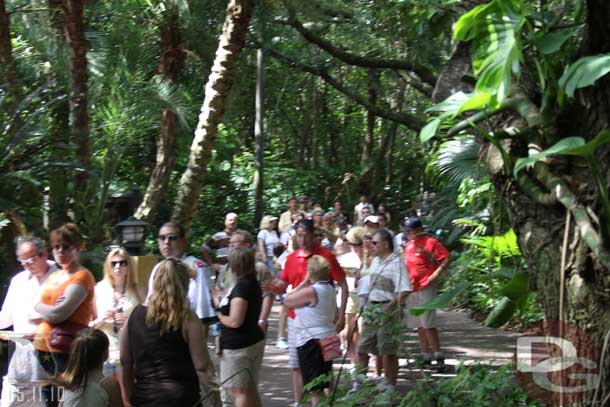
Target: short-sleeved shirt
[
  {"x": 199, "y": 291},
  {"x": 270, "y": 238},
  {"x": 54, "y": 288},
  {"x": 249, "y": 332},
  {"x": 295, "y": 269},
  {"x": 422, "y": 257},
  {"x": 386, "y": 279},
  {"x": 285, "y": 220}
]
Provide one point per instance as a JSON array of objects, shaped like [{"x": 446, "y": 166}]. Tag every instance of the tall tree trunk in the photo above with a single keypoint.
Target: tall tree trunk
[
  {"x": 315, "y": 126},
  {"x": 386, "y": 148},
  {"x": 219, "y": 84},
  {"x": 170, "y": 66},
  {"x": 79, "y": 116},
  {"x": 59, "y": 130},
  {"x": 566, "y": 185},
  {"x": 259, "y": 136},
  {"x": 9, "y": 69},
  {"x": 369, "y": 137}
]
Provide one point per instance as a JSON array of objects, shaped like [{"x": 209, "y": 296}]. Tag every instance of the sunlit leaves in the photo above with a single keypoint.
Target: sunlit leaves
[
  {"x": 576, "y": 146},
  {"x": 584, "y": 72},
  {"x": 494, "y": 30}
]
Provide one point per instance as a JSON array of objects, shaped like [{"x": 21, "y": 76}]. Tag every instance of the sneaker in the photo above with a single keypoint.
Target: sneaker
[
  {"x": 281, "y": 344},
  {"x": 440, "y": 364},
  {"x": 420, "y": 363}
]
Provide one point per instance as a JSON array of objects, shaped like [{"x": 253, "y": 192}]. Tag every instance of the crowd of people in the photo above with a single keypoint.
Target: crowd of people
[{"x": 344, "y": 281}]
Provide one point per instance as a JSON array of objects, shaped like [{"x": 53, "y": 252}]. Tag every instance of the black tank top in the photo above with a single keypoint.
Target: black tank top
[{"x": 164, "y": 371}]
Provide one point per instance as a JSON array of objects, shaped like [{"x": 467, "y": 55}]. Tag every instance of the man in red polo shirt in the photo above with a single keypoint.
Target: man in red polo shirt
[
  {"x": 293, "y": 274},
  {"x": 425, "y": 258}
]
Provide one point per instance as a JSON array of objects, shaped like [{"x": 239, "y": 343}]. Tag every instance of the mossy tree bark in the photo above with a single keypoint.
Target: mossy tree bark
[{"x": 217, "y": 90}]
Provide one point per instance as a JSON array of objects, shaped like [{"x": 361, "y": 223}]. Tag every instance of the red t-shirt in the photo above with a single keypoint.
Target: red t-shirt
[
  {"x": 295, "y": 269},
  {"x": 422, "y": 257}
]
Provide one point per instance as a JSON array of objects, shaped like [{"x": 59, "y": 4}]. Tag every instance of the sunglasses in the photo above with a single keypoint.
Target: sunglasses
[
  {"x": 63, "y": 247},
  {"x": 171, "y": 238},
  {"x": 122, "y": 263},
  {"x": 27, "y": 262}
]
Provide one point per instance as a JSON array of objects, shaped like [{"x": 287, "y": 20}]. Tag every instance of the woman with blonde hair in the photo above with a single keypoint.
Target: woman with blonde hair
[
  {"x": 163, "y": 353},
  {"x": 266, "y": 239},
  {"x": 314, "y": 301},
  {"x": 66, "y": 305},
  {"x": 83, "y": 382},
  {"x": 115, "y": 297},
  {"x": 242, "y": 341}
]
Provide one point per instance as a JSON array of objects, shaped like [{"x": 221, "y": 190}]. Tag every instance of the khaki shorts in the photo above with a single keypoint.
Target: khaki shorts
[
  {"x": 380, "y": 334},
  {"x": 243, "y": 364},
  {"x": 417, "y": 299}
]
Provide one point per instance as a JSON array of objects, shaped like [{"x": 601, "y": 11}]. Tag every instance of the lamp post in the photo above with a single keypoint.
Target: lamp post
[{"x": 132, "y": 232}]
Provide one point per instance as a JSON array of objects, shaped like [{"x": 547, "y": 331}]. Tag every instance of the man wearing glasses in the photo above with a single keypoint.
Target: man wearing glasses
[
  {"x": 23, "y": 294},
  {"x": 383, "y": 290},
  {"x": 172, "y": 242}
]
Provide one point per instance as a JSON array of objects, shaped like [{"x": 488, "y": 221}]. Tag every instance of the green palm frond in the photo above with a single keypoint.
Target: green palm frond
[{"x": 459, "y": 158}]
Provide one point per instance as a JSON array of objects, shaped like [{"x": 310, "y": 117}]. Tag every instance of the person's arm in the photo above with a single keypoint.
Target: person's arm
[
  {"x": 300, "y": 297},
  {"x": 262, "y": 250},
  {"x": 263, "y": 318},
  {"x": 398, "y": 300},
  {"x": 340, "y": 323},
  {"x": 238, "y": 308},
  {"x": 277, "y": 287},
  {"x": 74, "y": 295},
  {"x": 205, "y": 253},
  {"x": 441, "y": 267},
  {"x": 127, "y": 376}
]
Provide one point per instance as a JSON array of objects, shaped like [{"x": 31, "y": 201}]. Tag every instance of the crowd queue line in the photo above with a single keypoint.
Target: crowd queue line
[{"x": 82, "y": 343}]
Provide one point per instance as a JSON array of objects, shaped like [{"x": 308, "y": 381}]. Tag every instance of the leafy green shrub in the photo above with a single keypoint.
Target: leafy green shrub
[{"x": 474, "y": 385}]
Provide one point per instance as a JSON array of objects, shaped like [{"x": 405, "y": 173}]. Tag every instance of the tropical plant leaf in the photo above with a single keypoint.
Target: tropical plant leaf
[
  {"x": 584, "y": 72},
  {"x": 502, "y": 313},
  {"x": 517, "y": 288},
  {"x": 550, "y": 43},
  {"x": 459, "y": 158},
  {"x": 494, "y": 30},
  {"x": 568, "y": 146},
  {"x": 440, "y": 301},
  {"x": 429, "y": 130}
]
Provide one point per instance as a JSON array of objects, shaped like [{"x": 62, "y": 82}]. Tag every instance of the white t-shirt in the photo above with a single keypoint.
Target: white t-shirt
[
  {"x": 270, "y": 238},
  {"x": 199, "y": 292}
]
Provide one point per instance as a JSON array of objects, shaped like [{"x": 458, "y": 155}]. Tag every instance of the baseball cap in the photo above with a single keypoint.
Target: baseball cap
[
  {"x": 412, "y": 222},
  {"x": 220, "y": 236},
  {"x": 371, "y": 219}
]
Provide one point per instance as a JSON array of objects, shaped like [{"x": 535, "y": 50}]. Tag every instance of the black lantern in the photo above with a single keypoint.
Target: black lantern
[{"x": 132, "y": 232}]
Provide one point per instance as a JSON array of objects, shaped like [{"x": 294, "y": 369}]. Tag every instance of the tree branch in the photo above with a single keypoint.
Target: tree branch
[
  {"x": 416, "y": 83},
  {"x": 349, "y": 58},
  {"x": 518, "y": 103},
  {"x": 409, "y": 120}
]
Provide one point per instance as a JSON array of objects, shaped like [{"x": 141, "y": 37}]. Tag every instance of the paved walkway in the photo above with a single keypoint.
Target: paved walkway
[{"x": 461, "y": 339}]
